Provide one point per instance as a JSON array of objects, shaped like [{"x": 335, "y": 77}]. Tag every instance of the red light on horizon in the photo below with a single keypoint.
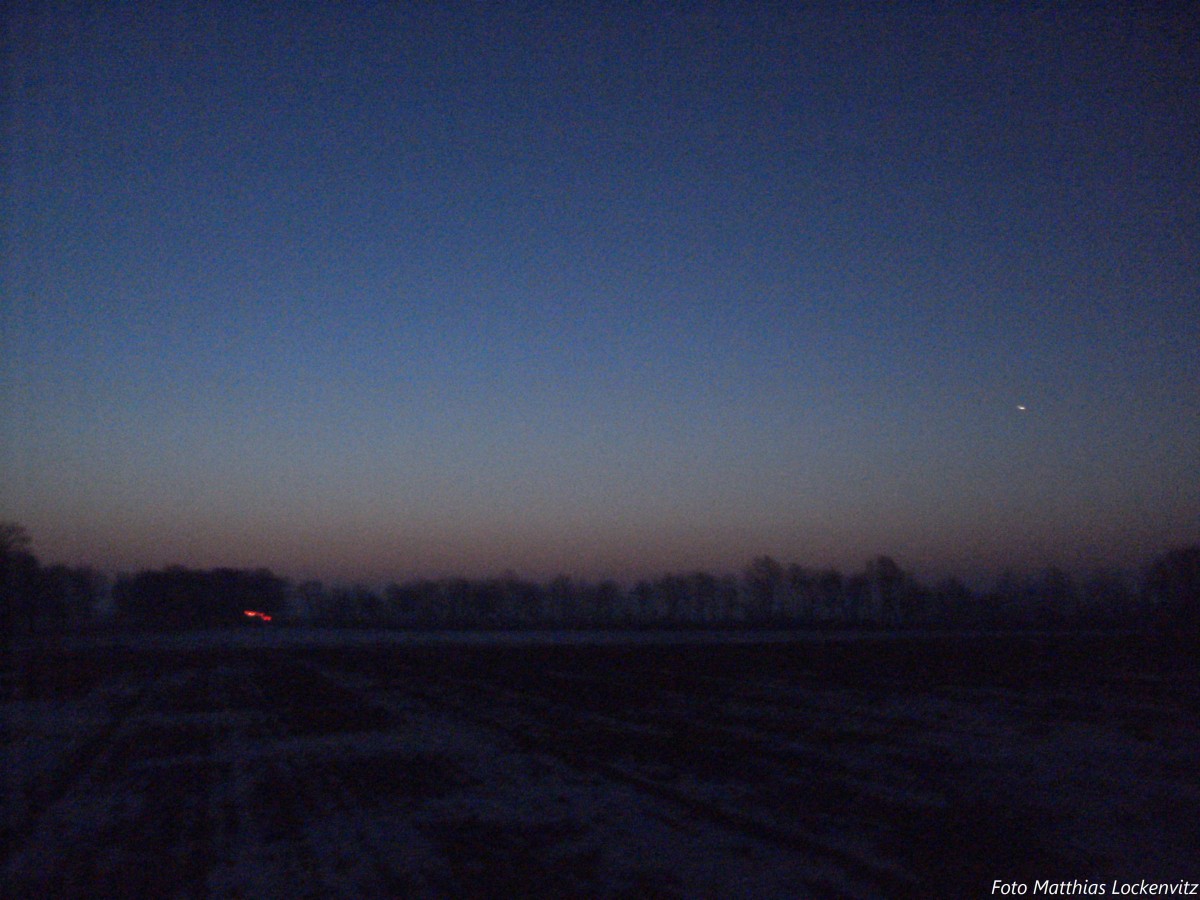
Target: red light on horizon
[{"x": 256, "y": 614}]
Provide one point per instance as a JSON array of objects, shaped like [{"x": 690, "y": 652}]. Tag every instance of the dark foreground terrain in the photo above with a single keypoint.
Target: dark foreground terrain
[{"x": 243, "y": 765}]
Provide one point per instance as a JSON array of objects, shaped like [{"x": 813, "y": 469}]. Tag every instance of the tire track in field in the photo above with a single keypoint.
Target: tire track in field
[
  {"x": 890, "y": 879},
  {"x": 533, "y": 735},
  {"x": 108, "y": 826},
  {"x": 288, "y": 816},
  {"x": 87, "y": 756},
  {"x": 923, "y": 811},
  {"x": 771, "y": 735}
]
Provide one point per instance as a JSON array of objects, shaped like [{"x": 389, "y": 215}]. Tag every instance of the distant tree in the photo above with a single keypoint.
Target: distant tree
[
  {"x": 831, "y": 595},
  {"x": 802, "y": 593},
  {"x": 238, "y": 590},
  {"x": 1106, "y": 598},
  {"x": 1172, "y": 587},
  {"x": 953, "y": 602},
  {"x": 61, "y": 599},
  {"x": 36, "y": 598},
  {"x": 1005, "y": 603},
  {"x": 398, "y": 604},
  {"x": 856, "y": 594},
  {"x": 605, "y": 598},
  {"x": 486, "y": 603},
  {"x": 672, "y": 591},
  {"x": 703, "y": 588},
  {"x": 916, "y": 602},
  {"x": 1053, "y": 598},
  {"x": 181, "y": 598},
  {"x": 430, "y": 609},
  {"x": 885, "y": 581},
  {"x": 457, "y": 594},
  {"x": 764, "y": 579},
  {"x": 14, "y": 539},
  {"x": 730, "y": 603},
  {"x": 362, "y": 605},
  {"x": 309, "y": 600},
  {"x": 644, "y": 607},
  {"x": 562, "y": 598},
  {"x": 528, "y": 601},
  {"x": 508, "y": 587},
  {"x": 19, "y": 577}
]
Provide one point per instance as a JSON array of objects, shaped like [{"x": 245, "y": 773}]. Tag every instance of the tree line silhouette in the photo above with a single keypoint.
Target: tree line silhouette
[{"x": 40, "y": 599}]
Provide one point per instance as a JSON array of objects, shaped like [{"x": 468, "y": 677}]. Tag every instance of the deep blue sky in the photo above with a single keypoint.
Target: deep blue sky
[{"x": 371, "y": 291}]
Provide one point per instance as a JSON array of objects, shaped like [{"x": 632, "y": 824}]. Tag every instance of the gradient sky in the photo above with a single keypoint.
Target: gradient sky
[{"x": 372, "y": 291}]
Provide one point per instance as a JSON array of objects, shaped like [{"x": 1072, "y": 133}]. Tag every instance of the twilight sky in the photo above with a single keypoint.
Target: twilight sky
[{"x": 379, "y": 290}]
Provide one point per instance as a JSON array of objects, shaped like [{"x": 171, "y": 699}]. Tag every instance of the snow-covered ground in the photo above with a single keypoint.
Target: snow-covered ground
[
  {"x": 279, "y": 636},
  {"x": 282, "y": 762}
]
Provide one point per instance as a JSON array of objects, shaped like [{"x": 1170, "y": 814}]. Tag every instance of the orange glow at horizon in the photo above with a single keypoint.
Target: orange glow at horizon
[{"x": 255, "y": 614}]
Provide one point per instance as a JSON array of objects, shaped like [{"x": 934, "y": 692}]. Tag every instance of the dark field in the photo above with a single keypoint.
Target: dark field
[{"x": 857, "y": 767}]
